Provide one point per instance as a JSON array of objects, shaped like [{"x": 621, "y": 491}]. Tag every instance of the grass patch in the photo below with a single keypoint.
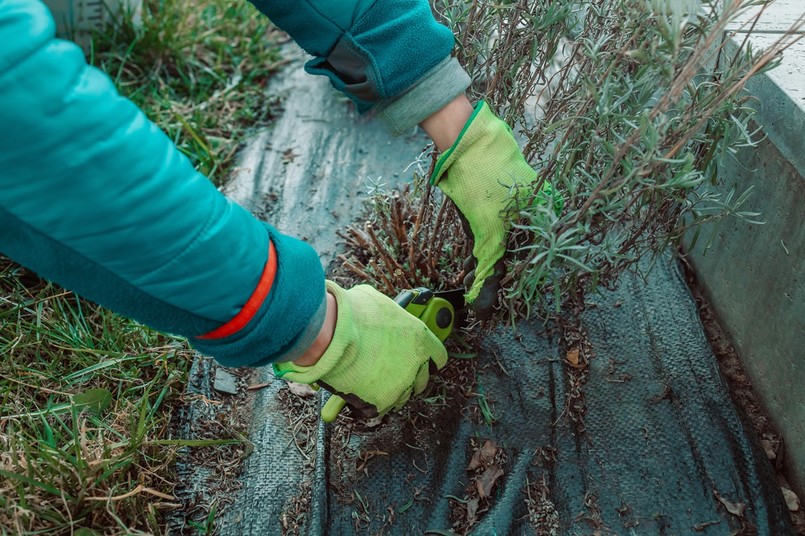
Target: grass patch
[
  {"x": 86, "y": 396},
  {"x": 199, "y": 70}
]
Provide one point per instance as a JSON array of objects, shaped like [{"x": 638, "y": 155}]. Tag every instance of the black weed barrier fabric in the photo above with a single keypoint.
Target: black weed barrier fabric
[
  {"x": 651, "y": 444},
  {"x": 617, "y": 423}
]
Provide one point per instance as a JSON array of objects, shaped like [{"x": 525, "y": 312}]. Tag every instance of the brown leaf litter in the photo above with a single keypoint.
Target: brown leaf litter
[{"x": 486, "y": 468}]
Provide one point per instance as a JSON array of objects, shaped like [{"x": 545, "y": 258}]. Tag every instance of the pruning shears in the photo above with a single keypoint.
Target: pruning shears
[{"x": 436, "y": 309}]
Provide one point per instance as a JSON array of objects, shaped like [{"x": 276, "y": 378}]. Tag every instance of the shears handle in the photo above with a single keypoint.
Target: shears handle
[{"x": 437, "y": 313}]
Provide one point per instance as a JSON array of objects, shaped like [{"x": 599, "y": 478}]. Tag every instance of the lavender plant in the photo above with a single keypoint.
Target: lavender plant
[{"x": 628, "y": 107}]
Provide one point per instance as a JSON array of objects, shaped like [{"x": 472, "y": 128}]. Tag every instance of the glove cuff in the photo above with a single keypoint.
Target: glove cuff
[
  {"x": 343, "y": 337},
  {"x": 465, "y": 138}
]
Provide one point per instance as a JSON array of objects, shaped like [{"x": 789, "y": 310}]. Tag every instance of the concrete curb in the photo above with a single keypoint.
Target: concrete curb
[{"x": 753, "y": 274}]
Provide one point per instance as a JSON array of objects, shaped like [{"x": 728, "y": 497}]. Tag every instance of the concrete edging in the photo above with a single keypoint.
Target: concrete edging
[{"x": 753, "y": 274}]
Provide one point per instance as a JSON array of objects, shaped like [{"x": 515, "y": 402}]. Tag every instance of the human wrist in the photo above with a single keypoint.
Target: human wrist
[
  {"x": 324, "y": 338},
  {"x": 444, "y": 126}
]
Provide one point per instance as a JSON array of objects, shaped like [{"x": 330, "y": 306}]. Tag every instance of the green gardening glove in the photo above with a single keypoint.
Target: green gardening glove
[
  {"x": 486, "y": 176},
  {"x": 379, "y": 354}
]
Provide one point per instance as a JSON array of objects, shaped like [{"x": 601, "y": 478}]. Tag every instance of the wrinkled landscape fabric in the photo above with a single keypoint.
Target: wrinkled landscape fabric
[
  {"x": 648, "y": 443},
  {"x": 661, "y": 441}
]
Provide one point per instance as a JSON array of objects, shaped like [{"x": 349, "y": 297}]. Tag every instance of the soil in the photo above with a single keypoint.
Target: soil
[
  {"x": 749, "y": 404},
  {"x": 354, "y": 442}
]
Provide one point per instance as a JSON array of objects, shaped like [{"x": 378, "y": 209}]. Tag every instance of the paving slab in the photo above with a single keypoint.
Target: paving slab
[
  {"x": 775, "y": 17},
  {"x": 660, "y": 439}
]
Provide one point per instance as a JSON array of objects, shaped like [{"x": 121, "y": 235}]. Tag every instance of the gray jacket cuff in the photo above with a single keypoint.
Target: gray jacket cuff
[{"x": 427, "y": 96}]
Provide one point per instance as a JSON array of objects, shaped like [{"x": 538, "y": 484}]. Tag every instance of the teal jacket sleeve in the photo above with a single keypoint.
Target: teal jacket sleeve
[
  {"x": 387, "y": 55},
  {"x": 95, "y": 197}
]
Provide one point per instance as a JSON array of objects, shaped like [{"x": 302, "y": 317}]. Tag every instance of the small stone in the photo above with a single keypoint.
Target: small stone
[
  {"x": 766, "y": 444},
  {"x": 791, "y": 499},
  {"x": 373, "y": 422},
  {"x": 225, "y": 382},
  {"x": 301, "y": 389}
]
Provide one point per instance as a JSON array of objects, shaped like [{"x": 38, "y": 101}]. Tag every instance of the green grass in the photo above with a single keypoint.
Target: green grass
[
  {"x": 87, "y": 397},
  {"x": 62, "y": 461},
  {"x": 198, "y": 69}
]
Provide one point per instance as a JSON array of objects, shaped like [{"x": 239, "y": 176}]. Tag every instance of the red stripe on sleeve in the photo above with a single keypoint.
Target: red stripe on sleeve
[{"x": 256, "y": 300}]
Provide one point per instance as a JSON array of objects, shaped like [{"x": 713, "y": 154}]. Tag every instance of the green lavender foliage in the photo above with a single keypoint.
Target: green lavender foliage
[{"x": 628, "y": 107}]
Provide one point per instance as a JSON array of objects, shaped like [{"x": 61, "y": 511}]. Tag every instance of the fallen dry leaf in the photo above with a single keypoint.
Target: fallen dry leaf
[
  {"x": 791, "y": 499},
  {"x": 766, "y": 444},
  {"x": 572, "y": 358},
  {"x": 701, "y": 526},
  {"x": 736, "y": 509},
  {"x": 487, "y": 480},
  {"x": 483, "y": 456},
  {"x": 255, "y": 386},
  {"x": 288, "y": 156},
  {"x": 472, "y": 510}
]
